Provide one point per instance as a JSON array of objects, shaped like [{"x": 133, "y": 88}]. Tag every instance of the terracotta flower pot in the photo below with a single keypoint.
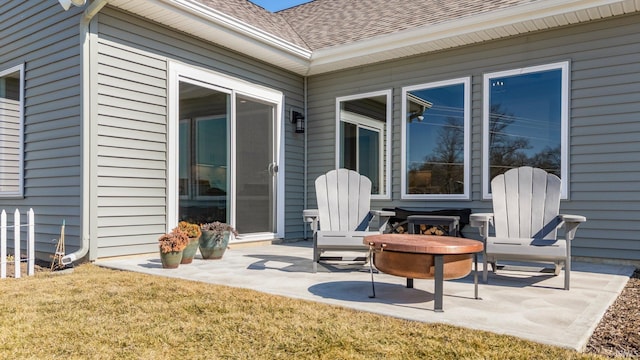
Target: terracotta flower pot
[
  {"x": 190, "y": 251},
  {"x": 171, "y": 260},
  {"x": 213, "y": 244}
]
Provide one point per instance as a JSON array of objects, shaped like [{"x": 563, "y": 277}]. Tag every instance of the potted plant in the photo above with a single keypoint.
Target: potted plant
[
  {"x": 171, "y": 246},
  {"x": 193, "y": 232},
  {"x": 215, "y": 239}
]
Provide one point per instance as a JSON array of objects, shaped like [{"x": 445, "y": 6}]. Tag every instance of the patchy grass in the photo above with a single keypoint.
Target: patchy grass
[{"x": 97, "y": 313}]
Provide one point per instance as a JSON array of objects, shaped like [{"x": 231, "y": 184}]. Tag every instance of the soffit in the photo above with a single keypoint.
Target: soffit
[{"x": 249, "y": 29}]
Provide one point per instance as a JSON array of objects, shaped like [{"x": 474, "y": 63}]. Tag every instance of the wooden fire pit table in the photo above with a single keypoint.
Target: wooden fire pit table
[{"x": 424, "y": 257}]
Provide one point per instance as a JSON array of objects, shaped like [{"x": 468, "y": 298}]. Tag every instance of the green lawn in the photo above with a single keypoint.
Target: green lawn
[{"x": 97, "y": 313}]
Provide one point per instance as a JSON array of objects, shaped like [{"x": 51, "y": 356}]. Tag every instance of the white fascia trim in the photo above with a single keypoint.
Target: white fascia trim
[
  {"x": 472, "y": 24},
  {"x": 221, "y": 19}
]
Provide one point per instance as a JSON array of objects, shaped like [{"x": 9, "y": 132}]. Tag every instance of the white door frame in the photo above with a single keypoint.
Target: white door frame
[{"x": 233, "y": 86}]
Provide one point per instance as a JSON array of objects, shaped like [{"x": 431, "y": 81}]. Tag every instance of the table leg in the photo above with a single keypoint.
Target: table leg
[
  {"x": 439, "y": 279},
  {"x": 475, "y": 276},
  {"x": 373, "y": 287},
  {"x": 409, "y": 283}
]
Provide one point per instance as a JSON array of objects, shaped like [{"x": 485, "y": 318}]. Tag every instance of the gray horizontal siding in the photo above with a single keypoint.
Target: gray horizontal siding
[
  {"x": 605, "y": 123},
  {"x": 132, "y": 125},
  {"x": 45, "y": 39},
  {"x": 131, "y": 153}
]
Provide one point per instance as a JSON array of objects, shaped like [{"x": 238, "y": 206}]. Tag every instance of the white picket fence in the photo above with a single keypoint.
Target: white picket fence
[{"x": 16, "y": 243}]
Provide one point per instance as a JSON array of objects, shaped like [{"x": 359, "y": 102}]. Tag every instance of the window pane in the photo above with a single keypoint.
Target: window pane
[
  {"x": 435, "y": 140},
  {"x": 10, "y": 133},
  {"x": 362, "y": 138},
  {"x": 525, "y": 114},
  {"x": 211, "y": 156},
  {"x": 368, "y": 157},
  {"x": 203, "y": 154},
  {"x": 184, "y": 157},
  {"x": 349, "y": 146}
]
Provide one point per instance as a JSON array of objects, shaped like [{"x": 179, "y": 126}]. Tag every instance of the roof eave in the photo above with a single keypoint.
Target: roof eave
[
  {"x": 217, "y": 27},
  {"x": 474, "y": 29},
  {"x": 212, "y": 25}
]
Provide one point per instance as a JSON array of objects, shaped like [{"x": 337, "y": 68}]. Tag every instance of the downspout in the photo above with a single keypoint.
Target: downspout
[
  {"x": 85, "y": 110},
  {"x": 305, "y": 187}
]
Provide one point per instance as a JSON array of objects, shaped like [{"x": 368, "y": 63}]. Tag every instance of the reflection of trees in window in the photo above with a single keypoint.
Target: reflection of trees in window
[
  {"x": 524, "y": 114},
  {"x": 443, "y": 170},
  {"x": 436, "y": 140},
  {"x": 548, "y": 159},
  {"x": 507, "y": 151}
]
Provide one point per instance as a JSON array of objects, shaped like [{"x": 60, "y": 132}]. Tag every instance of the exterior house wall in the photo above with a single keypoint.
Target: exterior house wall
[
  {"x": 604, "y": 124},
  {"x": 129, "y": 69},
  {"x": 130, "y": 130},
  {"x": 45, "y": 40}
]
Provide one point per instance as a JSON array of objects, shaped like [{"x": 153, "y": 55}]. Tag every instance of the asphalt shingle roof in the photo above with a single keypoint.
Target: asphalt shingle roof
[
  {"x": 325, "y": 23},
  {"x": 258, "y": 17}
]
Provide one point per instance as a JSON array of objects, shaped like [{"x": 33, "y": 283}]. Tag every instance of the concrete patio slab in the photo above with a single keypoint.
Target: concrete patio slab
[{"x": 527, "y": 304}]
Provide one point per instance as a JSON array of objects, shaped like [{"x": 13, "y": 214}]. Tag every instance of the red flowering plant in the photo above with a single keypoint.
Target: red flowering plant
[{"x": 176, "y": 240}]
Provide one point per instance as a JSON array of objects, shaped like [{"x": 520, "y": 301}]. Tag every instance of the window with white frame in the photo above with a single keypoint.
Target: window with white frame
[
  {"x": 525, "y": 121},
  {"x": 11, "y": 123},
  {"x": 436, "y": 140},
  {"x": 363, "y": 125}
]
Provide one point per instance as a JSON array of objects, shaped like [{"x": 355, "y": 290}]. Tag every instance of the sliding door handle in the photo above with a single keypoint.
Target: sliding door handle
[{"x": 273, "y": 169}]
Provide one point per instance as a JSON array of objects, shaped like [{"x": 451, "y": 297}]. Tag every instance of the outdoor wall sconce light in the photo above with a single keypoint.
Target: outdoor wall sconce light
[
  {"x": 416, "y": 115},
  {"x": 421, "y": 104},
  {"x": 298, "y": 120},
  {"x": 66, "y": 4}
]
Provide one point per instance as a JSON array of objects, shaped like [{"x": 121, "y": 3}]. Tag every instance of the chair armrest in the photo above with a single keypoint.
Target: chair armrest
[
  {"x": 570, "y": 224},
  {"x": 482, "y": 222},
  {"x": 572, "y": 218},
  {"x": 480, "y": 219},
  {"x": 311, "y": 216},
  {"x": 383, "y": 213},
  {"x": 383, "y": 218}
]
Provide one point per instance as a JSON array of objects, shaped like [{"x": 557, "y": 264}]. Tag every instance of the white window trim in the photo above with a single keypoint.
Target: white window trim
[
  {"x": 214, "y": 80},
  {"x": 466, "y": 195},
  {"x": 564, "y": 122},
  {"x": 387, "y": 159},
  {"x": 363, "y": 122},
  {"x": 20, "y": 192}
]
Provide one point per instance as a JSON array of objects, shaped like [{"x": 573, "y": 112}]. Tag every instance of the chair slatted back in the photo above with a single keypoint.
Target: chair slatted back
[
  {"x": 343, "y": 199},
  {"x": 525, "y": 201}
]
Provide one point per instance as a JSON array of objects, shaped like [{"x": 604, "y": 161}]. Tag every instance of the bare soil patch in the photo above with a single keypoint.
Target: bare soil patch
[
  {"x": 39, "y": 266},
  {"x": 618, "y": 333}
]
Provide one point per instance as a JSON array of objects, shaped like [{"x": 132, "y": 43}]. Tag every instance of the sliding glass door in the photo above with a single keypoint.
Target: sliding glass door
[{"x": 227, "y": 157}]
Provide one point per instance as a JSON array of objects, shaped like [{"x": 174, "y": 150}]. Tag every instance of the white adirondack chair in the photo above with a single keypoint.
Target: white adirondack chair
[
  {"x": 343, "y": 216},
  {"x": 526, "y": 205}
]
